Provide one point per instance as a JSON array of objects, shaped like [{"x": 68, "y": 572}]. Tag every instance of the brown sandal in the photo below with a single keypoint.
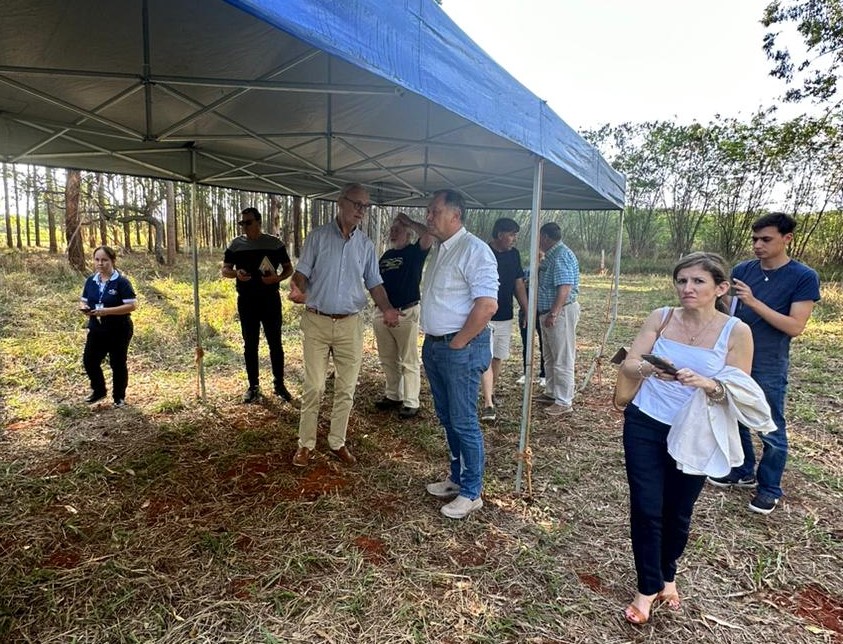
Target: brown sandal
[
  {"x": 634, "y": 616},
  {"x": 671, "y": 599}
]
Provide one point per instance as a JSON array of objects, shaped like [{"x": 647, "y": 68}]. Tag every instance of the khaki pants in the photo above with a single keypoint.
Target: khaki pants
[
  {"x": 398, "y": 349},
  {"x": 343, "y": 339},
  {"x": 560, "y": 352}
]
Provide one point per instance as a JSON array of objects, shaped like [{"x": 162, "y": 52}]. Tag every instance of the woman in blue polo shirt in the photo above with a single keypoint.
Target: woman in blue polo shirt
[{"x": 108, "y": 300}]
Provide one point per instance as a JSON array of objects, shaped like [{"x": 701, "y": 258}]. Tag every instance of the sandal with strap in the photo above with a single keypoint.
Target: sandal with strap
[
  {"x": 634, "y": 616},
  {"x": 671, "y": 599}
]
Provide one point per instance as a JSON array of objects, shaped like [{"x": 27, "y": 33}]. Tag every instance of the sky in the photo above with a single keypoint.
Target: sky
[{"x": 611, "y": 61}]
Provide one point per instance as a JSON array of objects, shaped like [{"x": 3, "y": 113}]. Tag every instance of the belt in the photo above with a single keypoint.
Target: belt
[
  {"x": 546, "y": 311},
  {"x": 408, "y": 306},
  {"x": 439, "y": 338},
  {"x": 333, "y": 316}
]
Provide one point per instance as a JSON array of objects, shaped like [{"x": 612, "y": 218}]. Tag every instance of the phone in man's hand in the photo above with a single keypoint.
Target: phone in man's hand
[{"x": 661, "y": 363}]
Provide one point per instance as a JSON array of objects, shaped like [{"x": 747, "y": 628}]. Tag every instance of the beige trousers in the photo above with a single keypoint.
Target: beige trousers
[
  {"x": 398, "y": 349},
  {"x": 321, "y": 337},
  {"x": 560, "y": 352}
]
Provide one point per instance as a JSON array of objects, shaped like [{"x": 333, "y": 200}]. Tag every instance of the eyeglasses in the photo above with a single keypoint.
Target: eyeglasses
[
  {"x": 358, "y": 205},
  {"x": 246, "y": 222}
]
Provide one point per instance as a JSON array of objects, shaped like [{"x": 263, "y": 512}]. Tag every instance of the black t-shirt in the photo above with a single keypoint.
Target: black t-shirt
[
  {"x": 509, "y": 270},
  {"x": 401, "y": 270},
  {"x": 249, "y": 254}
]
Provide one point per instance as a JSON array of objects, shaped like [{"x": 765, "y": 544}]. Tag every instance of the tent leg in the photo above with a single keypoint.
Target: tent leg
[
  {"x": 527, "y": 399},
  {"x": 200, "y": 352}
]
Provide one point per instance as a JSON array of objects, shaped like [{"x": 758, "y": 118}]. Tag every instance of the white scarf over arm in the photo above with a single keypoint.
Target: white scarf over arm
[{"x": 704, "y": 439}]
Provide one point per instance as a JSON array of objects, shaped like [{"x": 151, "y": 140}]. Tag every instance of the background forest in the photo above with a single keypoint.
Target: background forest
[{"x": 689, "y": 187}]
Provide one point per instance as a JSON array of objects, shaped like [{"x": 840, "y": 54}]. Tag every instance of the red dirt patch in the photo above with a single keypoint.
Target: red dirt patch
[
  {"x": 252, "y": 474},
  {"x": 387, "y": 504},
  {"x": 814, "y": 604},
  {"x": 373, "y": 549},
  {"x": 53, "y": 467},
  {"x": 241, "y": 588},
  {"x": 160, "y": 508},
  {"x": 244, "y": 543},
  {"x": 320, "y": 479},
  {"x": 66, "y": 559},
  {"x": 593, "y": 582},
  {"x": 23, "y": 425}
]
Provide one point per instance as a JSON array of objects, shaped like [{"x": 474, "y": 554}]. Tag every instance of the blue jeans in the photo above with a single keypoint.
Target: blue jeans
[
  {"x": 774, "y": 457},
  {"x": 454, "y": 377},
  {"x": 661, "y": 500}
]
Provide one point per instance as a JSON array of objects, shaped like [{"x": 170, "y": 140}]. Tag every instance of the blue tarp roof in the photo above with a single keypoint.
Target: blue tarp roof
[{"x": 290, "y": 96}]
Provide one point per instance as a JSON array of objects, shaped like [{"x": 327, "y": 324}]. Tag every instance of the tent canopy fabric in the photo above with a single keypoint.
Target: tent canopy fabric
[{"x": 284, "y": 96}]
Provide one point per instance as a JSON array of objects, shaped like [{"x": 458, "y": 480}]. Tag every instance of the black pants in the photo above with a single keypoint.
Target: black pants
[
  {"x": 110, "y": 339},
  {"x": 523, "y": 331},
  {"x": 661, "y": 500},
  {"x": 253, "y": 312}
]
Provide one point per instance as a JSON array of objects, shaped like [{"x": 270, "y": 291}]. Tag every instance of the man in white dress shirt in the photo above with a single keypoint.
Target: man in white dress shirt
[{"x": 459, "y": 297}]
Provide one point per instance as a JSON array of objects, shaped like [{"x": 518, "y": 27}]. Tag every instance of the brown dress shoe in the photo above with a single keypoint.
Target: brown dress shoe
[
  {"x": 344, "y": 455},
  {"x": 302, "y": 457}
]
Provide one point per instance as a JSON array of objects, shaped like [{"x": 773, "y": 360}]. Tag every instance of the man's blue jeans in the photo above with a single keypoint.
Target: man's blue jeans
[
  {"x": 774, "y": 457},
  {"x": 454, "y": 377}
]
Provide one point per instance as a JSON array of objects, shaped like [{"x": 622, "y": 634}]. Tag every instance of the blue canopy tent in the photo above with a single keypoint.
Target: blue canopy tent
[{"x": 286, "y": 96}]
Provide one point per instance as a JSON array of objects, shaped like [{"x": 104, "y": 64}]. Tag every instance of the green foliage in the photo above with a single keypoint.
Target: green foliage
[{"x": 816, "y": 69}]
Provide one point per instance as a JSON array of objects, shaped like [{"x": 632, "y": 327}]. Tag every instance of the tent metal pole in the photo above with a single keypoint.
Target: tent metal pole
[
  {"x": 527, "y": 399},
  {"x": 200, "y": 352},
  {"x": 613, "y": 315}
]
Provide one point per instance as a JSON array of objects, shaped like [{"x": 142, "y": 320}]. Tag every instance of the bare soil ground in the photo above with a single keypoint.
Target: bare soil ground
[{"x": 175, "y": 521}]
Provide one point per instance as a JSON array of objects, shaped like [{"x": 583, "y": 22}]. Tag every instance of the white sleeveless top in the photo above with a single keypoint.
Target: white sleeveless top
[{"x": 662, "y": 399}]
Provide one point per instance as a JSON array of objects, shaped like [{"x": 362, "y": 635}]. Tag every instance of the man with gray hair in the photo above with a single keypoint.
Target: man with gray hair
[
  {"x": 559, "y": 312},
  {"x": 398, "y": 346},
  {"x": 337, "y": 266}
]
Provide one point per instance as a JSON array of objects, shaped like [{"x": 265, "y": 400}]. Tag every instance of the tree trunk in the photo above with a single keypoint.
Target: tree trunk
[
  {"x": 36, "y": 214},
  {"x": 51, "y": 215},
  {"x": 99, "y": 179},
  {"x": 9, "y": 242},
  {"x": 75, "y": 254},
  {"x": 297, "y": 231},
  {"x": 16, "y": 190},
  {"x": 171, "y": 223}
]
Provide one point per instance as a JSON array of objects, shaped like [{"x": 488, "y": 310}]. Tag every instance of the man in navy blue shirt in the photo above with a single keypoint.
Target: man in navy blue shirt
[
  {"x": 398, "y": 346},
  {"x": 510, "y": 283},
  {"x": 775, "y": 296}
]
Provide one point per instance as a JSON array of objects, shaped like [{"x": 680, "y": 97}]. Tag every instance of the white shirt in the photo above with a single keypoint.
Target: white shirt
[
  {"x": 461, "y": 269},
  {"x": 704, "y": 438}
]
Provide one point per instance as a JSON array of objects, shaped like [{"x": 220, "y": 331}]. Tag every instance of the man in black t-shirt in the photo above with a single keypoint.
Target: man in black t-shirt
[
  {"x": 253, "y": 260},
  {"x": 511, "y": 283},
  {"x": 398, "y": 346}
]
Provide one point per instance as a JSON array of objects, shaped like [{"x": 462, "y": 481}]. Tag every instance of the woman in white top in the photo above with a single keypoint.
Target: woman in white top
[{"x": 699, "y": 338}]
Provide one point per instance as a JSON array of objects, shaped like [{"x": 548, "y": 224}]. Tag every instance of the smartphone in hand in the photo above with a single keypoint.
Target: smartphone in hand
[{"x": 661, "y": 363}]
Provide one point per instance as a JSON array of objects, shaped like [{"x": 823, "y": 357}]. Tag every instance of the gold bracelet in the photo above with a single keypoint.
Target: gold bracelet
[{"x": 719, "y": 393}]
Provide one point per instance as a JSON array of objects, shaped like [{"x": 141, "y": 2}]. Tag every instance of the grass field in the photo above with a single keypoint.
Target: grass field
[{"x": 175, "y": 521}]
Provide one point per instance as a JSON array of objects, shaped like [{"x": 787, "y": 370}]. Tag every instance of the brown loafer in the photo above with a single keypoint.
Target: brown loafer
[
  {"x": 302, "y": 457},
  {"x": 344, "y": 455}
]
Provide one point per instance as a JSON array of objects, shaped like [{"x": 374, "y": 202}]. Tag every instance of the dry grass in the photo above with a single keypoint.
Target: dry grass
[{"x": 173, "y": 521}]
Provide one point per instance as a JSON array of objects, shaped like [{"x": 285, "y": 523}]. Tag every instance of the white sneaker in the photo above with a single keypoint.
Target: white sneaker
[
  {"x": 542, "y": 382},
  {"x": 461, "y": 507},
  {"x": 521, "y": 380},
  {"x": 443, "y": 489}
]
